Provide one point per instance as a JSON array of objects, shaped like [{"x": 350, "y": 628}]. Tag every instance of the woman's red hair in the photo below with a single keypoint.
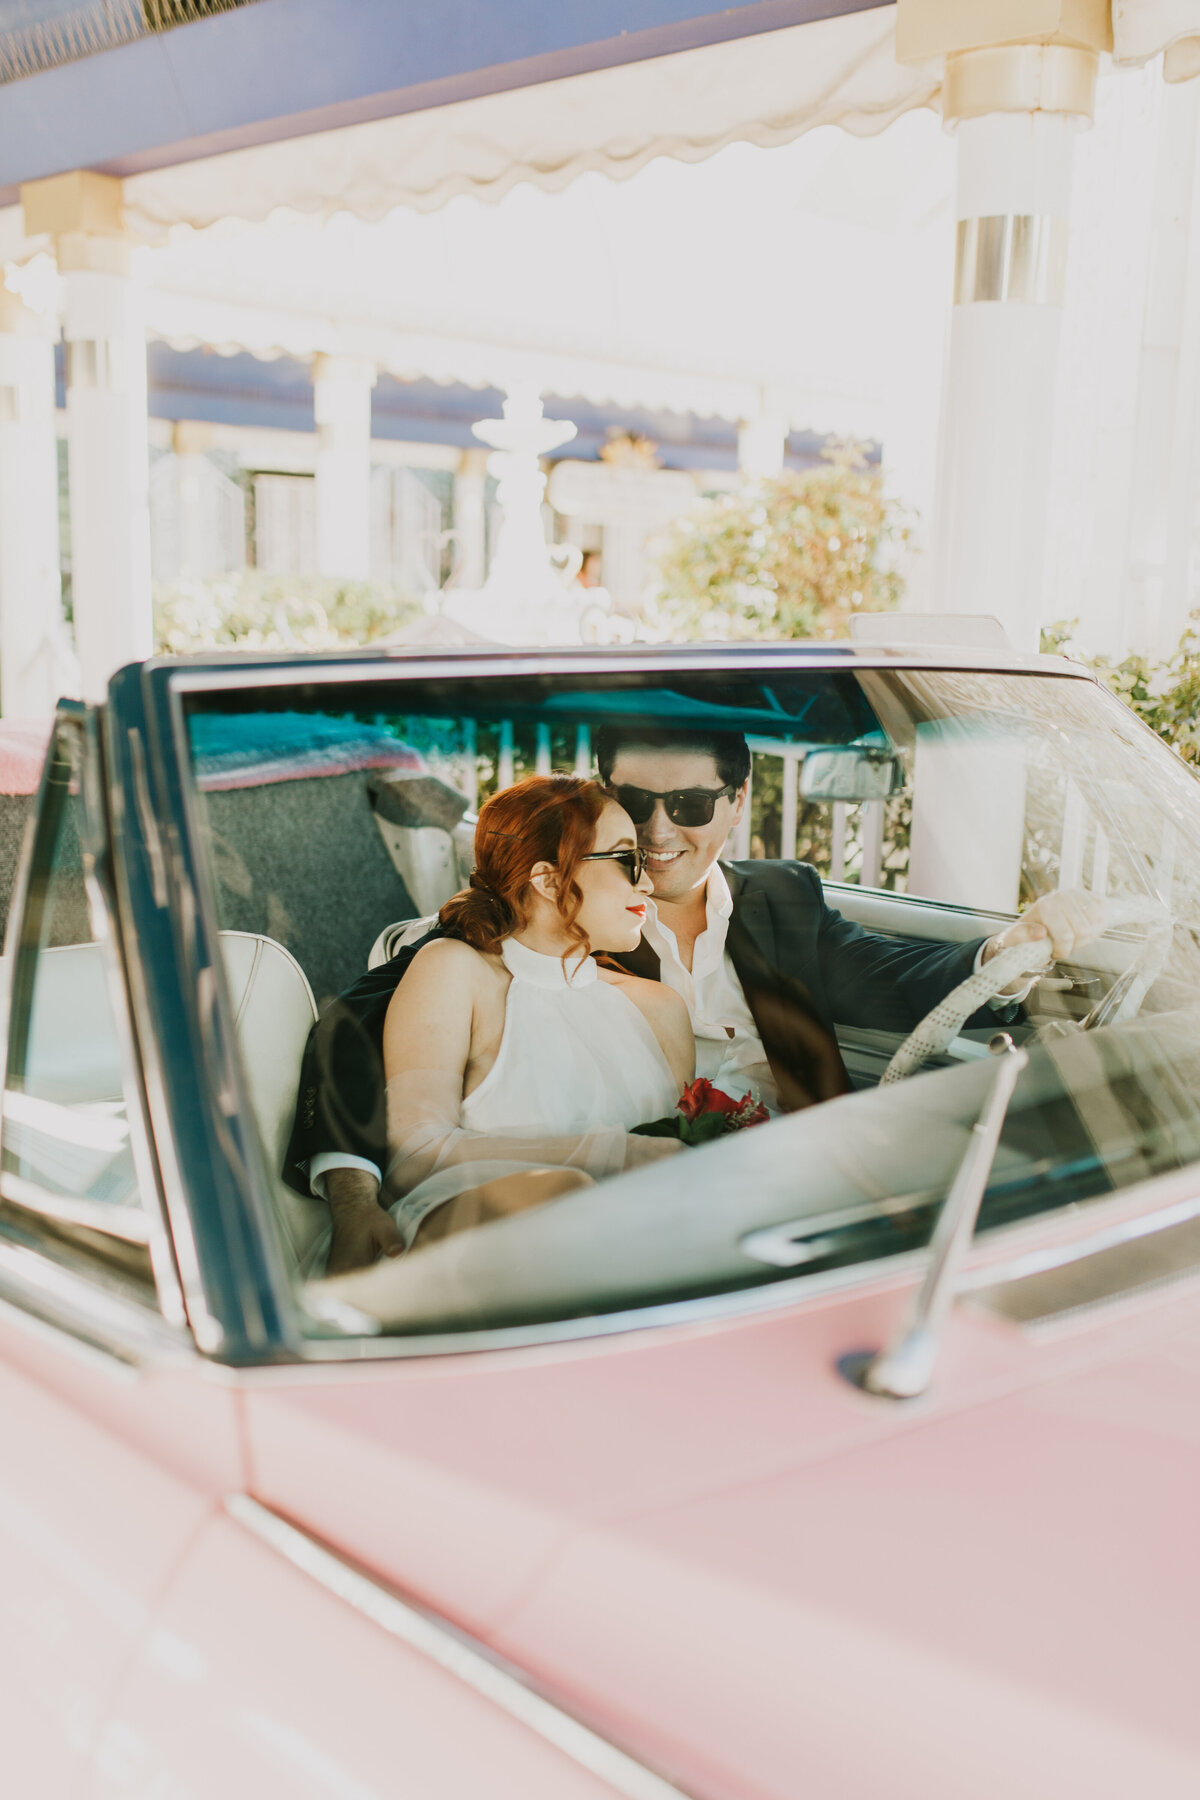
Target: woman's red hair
[{"x": 545, "y": 818}]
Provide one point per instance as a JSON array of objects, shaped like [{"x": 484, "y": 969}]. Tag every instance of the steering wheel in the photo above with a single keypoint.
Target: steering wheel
[{"x": 1122, "y": 1001}]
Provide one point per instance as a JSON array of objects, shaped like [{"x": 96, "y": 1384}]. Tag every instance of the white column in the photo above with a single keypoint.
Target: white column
[
  {"x": 761, "y": 446},
  {"x": 107, "y": 457},
  {"x": 470, "y": 520},
  {"x": 1018, "y": 81},
  {"x": 1166, "y": 436},
  {"x": 968, "y": 818},
  {"x": 342, "y": 403},
  {"x": 36, "y": 660},
  {"x": 1012, "y": 204}
]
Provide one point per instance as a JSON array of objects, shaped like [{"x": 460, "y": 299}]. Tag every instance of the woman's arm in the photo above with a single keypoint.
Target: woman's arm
[{"x": 429, "y": 1019}]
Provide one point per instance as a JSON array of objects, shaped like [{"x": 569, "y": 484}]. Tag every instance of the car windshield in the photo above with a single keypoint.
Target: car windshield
[{"x": 790, "y": 930}]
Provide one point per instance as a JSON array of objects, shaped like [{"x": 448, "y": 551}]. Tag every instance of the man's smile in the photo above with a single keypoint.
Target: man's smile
[{"x": 659, "y": 859}]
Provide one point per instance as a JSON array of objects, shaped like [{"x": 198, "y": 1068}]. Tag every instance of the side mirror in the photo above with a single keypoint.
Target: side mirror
[{"x": 850, "y": 772}]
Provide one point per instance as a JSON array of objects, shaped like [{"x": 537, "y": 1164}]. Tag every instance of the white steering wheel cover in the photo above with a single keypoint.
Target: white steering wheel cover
[{"x": 939, "y": 1027}]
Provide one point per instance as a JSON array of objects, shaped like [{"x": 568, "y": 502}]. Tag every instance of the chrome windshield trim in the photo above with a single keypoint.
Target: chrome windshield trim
[
  {"x": 322, "y": 667},
  {"x": 82, "y": 1312},
  {"x": 104, "y": 911},
  {"x": 179, "y": 1239},
  {"x": 128, "y": 1224},
  {"x": 466, "y": 1658}
]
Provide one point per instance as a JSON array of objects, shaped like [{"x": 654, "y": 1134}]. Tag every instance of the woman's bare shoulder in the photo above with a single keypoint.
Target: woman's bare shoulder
[
  {"x": 653, "y": 997},
  {"x": 450, "y": 960}
]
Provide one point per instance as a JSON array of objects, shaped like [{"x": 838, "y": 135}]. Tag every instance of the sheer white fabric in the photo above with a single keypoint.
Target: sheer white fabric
[{"x": 578, "y": 1067}]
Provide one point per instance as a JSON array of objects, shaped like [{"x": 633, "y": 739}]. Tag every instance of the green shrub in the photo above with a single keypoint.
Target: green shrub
[
  {"x": 792, "y": 556},
  {"x": 1165, "y": 695},
  {"x": 255, "y": 611}
]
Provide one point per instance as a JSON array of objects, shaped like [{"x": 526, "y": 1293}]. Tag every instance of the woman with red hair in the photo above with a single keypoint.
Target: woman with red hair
[{"x": 516, "y": 1065}]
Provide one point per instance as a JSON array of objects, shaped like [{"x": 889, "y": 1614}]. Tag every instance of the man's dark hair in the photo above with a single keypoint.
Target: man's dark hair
[{"x": 728, "y": 749}]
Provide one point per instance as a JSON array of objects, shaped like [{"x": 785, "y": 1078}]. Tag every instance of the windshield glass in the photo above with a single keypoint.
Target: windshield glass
[{"x": 534, "y": 912}]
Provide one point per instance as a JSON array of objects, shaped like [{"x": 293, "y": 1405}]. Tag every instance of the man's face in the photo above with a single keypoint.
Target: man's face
[{"x": 680, "y": 856}]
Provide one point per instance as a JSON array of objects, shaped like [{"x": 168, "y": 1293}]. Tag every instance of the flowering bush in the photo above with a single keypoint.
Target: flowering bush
[
  {"x": 791, "y": 556},
  {"x": 1165, "y": 695},
  {"x": 255, "y": 611}
]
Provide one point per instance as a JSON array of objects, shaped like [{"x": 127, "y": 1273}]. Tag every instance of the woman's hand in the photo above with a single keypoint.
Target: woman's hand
[{"x": 640, "y": 1151}]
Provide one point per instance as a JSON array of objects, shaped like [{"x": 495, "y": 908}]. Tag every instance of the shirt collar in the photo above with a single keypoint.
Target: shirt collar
[
  {"x": 718, "y": 899},
  {"x": 718, "y": 896}
]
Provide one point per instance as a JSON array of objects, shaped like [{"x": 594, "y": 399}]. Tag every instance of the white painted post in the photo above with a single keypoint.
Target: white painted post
[
  {"x": 108, "y": 468},
  {"x": 583, "y": 750},
  {"x": 37, "y": 663},
  {"x": 789, "y": 809},
  {"x": 505, "y": 765},
  {"x": 871, "y": 826},
  {"x": 342, "y": 405},
  {"x": 542, "y": 763},
  {"x": 837, "y": 849},
  {"x": 738, "y": 843},
  {"x": 761, "y": 446},
  {"x": 470, "y": 520}
]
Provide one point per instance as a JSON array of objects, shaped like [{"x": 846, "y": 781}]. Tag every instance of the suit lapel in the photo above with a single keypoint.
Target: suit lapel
[{"x": 752, "y": 913}]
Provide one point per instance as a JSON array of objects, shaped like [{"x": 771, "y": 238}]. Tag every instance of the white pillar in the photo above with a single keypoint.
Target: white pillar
[
  {"x": 1014, "y": 106},
  {"x": 1166, "y": 435},
  {"x": 1012, "y": 205},
  {"x": 761, "y": 446},
  {"x": 342, "y": 403},
  {"x": 107, "y": 458},
  {"x": 470, "y": 520},
  {"x": 35, "y": 654}
]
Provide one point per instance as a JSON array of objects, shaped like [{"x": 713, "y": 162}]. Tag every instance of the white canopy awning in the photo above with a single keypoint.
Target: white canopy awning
[
  {"x": 762, "y": 90},
  {"x": 1144, "y": 28},
  {"x": 785, "y": 282}
]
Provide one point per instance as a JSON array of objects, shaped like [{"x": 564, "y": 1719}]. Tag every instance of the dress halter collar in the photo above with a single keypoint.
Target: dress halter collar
[{"x": 528, "y": 965}]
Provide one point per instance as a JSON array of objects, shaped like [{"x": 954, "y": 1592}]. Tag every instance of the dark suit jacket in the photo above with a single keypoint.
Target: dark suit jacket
[{"x": 802, "y": 966}]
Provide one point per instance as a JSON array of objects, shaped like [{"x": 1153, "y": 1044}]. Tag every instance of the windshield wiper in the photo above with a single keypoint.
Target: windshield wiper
[{"x": 903, "y": 1369}]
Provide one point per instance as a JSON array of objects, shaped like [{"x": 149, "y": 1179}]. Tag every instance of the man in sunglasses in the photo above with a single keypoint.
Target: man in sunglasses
[{"x": 764, "y": 964}]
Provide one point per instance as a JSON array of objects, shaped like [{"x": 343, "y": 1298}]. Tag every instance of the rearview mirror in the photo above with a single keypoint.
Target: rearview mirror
[{"x": 850, "y": 772}]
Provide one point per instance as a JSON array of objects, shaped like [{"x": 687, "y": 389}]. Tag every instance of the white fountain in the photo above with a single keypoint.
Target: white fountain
[{"x": 527, "y": 598}]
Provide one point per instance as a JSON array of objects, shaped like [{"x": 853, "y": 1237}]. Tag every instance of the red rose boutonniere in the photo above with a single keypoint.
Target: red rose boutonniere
[{"x": 704, "y": 1112}]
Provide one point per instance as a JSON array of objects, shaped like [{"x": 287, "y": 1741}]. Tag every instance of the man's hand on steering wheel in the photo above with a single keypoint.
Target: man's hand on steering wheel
[{"x": 1069, "y": 918}]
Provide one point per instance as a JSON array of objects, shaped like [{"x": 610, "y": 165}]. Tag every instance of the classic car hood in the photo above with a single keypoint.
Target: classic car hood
[{"x": 766, "y": 1583}]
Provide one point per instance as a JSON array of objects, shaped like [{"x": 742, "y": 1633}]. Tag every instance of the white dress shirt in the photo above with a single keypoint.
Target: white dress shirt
[{"x": 729, "y": 1051}]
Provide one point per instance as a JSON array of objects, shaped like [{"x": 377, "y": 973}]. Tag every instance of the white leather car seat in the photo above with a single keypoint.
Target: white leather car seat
[
  {"x": 274, "y": 1011},
  {"x": 74, "y": 1060},
  {"x": 394, "y": 937}
]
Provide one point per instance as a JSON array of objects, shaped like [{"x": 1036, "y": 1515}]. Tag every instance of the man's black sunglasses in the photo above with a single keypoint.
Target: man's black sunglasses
[
  {"x": 684, "y": 806},
  {"x": 632, "y": 861}
]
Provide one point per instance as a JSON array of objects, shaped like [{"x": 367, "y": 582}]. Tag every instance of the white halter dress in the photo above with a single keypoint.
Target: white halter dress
[{"x": 578, "y": 1067}]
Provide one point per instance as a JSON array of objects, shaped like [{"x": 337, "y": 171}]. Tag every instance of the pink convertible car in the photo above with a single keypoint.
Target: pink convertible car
[{"x": 853, "y": 1457}]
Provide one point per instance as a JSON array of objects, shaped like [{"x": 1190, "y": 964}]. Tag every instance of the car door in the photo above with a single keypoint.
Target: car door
[{"x": 114, "y": 1446}]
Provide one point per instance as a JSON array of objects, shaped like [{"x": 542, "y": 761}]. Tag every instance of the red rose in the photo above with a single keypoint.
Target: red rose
[
  {"x": 703, "y": 1098},
  {"x": 694, "y": 1099}
]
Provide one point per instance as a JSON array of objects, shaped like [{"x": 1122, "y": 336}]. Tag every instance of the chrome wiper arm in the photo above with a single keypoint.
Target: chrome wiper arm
[{"x": 903, "y": 1369}]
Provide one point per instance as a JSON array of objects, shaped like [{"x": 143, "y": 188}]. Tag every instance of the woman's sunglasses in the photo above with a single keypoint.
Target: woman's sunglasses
[
  {"x": 632, "y": 861},
  {"x": 684, "y": 806}
]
